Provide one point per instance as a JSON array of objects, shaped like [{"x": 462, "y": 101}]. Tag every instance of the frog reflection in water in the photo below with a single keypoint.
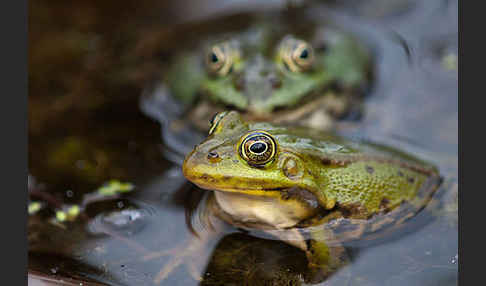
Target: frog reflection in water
[
  {"x": 311, "y": 189},
  {"x": 289, "y": 71}
]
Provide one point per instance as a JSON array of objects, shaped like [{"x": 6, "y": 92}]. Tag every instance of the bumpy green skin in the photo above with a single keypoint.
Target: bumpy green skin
[
  {"x": 357, "y": 175},
  {"x": 354, "y": 184},
  {"x": 250, "y": 85}
]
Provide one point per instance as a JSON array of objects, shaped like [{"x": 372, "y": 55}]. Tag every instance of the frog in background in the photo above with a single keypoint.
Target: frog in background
[{"x": 279, "y": 72}]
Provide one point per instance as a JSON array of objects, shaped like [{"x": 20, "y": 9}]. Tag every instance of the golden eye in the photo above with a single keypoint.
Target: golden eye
[
  {"x": 258, "y": 148},
  {"x": 215, "y": 121},
  {"x": 220, "y": 58},
  {"x": 297, "y": 55}
]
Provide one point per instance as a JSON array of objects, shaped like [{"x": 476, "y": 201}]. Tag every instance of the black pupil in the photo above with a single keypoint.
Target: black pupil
[
  {"x": 304, "y": 54},
  {"x": 258, "y": 147},
  {"x": 214, "y": 58}
]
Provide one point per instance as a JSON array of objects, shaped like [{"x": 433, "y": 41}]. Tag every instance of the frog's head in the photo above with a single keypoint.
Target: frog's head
[
  {"x": 237, "y": 158},
  {"x": 259, "y": 77},
  {"x": 261, "y": 69}
]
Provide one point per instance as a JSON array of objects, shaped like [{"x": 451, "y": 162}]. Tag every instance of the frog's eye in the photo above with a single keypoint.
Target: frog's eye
[
  {"x": 215, "y": 121},
  {"x": 297, "y": 55},
  {"x": 258, "y": 148},
  {"x": 220, "y": 58}
]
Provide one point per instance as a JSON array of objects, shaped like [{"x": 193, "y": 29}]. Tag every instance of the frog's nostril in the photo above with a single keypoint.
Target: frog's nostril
[
  {"x": 213, "y": 154},
  {"x": 213, "y": 157}
]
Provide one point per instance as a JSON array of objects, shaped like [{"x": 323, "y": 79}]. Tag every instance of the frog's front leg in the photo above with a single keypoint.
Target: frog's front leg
[{"x": 193, "y": 252}]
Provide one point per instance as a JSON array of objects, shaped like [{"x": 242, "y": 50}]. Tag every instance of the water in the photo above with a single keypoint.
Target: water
[{"x": 85, "y": 127}]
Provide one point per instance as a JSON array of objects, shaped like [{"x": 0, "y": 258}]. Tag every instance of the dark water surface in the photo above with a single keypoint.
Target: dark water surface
[{"x": 90, "y": 61}]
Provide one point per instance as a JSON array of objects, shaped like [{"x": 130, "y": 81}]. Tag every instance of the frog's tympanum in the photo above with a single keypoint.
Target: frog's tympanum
[
  {"x": 320, "y": 186},
  {"x": 286, "y": 70}
]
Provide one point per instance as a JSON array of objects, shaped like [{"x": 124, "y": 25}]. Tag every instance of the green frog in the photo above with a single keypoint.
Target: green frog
[
  {"x": 311, "y": 189},
  {"x": 287, "y": 69}
]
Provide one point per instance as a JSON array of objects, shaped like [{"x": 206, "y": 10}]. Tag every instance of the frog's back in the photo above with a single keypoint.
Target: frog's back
[{"x": 372, "y": 188}]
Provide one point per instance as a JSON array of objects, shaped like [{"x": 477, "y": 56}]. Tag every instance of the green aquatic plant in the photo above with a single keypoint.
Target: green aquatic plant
[{"x": 70, "y": 212}]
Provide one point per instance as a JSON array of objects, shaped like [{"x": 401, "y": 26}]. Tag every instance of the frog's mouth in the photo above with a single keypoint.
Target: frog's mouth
[
  {"x": 266, "y": 192},
  {"x": 282, "y": 193}
]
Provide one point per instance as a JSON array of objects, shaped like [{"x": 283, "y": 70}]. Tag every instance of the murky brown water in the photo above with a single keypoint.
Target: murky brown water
[{"x": 90, "y": 61}]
